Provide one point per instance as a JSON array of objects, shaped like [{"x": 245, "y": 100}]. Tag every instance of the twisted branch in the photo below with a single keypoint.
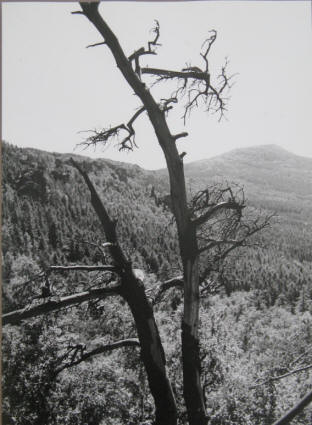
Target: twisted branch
[
  {"x": 176, "y": 282},
  {"x": 142, "y": 51},
  {"x": 195, "y": 83},
  {"x": 103, "y": 136},
  {"x": 222, "y": 226},
  {"x": 277, "y": 378},
  {"x": 210, "y": 202},
  {"x": 78, "y": 354}
]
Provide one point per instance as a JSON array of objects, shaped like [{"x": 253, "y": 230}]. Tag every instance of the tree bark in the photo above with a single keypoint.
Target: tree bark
[
  {"x": 186, "y": 232},
  {"x": 152, "y": 352},
  {"x": 192, "y": 389},
  {"x": 133, "y": 291}
]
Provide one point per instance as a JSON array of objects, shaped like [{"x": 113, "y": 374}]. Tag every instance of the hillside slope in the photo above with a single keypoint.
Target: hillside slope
[
  {"x": 258, "y": 325},
  {"x": 47, "y": 213},
  {"x": 269, "y": 174}
]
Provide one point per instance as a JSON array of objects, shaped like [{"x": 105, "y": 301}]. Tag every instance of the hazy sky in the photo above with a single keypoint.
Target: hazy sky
[{"x": 53, "y": 87}]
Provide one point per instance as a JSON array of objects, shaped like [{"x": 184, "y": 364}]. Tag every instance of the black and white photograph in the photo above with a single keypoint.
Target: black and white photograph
[{"x": 156, "y": 212}]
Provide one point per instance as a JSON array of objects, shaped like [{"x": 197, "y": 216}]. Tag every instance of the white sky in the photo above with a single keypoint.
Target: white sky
[{"x": 53, "y": 86}]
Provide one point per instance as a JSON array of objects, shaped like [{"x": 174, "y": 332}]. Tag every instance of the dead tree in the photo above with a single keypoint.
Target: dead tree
[
  {"x": 197, "y": 85},
  {"x": 211, "y": 223}
]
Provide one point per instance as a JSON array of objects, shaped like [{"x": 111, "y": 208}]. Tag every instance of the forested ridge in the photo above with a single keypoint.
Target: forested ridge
[{"x": 256, "y": 326}]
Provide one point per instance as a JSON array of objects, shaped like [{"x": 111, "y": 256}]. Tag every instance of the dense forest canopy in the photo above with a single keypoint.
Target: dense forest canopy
[{"x": 258, "y": 324}]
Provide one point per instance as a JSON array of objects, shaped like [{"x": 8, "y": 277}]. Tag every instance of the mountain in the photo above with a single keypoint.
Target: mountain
[
  {"x": 274, "y": 180},
  {"x": 272, "y": 177},
  {"x": 266, "y": 167},
  {"x": 47, "y": 213}
]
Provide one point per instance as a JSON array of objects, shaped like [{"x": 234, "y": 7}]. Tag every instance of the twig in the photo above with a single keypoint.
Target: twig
[
  {"x": 83, "y": 268},
  {"x": 277, "y": 378},
  {"x": 103, "y": 136},
  {"x": 131, "y": 342},
  {"x": 96, "y": 44}
]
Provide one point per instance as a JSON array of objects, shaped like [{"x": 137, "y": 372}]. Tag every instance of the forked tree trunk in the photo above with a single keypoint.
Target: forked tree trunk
[
  {"x": 187, "y": 236},
  {"x": 133, "y": 291}
]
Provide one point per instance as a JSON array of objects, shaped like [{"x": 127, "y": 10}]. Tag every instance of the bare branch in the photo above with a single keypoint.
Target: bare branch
[
  {"x": 225, "y": 205},
  {"x": 43, "y": 276},
  {"x": 187, "y": 73},
  {"x": 213, "y": 243},
  {"x": 250, "y": 231},
  {"x": 103, "y": 136},
  {"x": 142, "y": 51},
  {"x": 223, "y": 225},
  {"x": 209, "y": 42},
  {"x": 156, "y": 30},
  {"x": 176, "y": 282},
  {"x": 196, "y": 83},
  {"x": 292, "y": 413},
  {"x": 218, "y": 250},
  {"x": 83, "y": 268},
  {"x": 15, "y": 317},
  {"x": 96, "y": 44},
  {"x": 277, "y": 378},
  {"x": 300, "y": 357},
  {"x": 80, "y": 355},
  {"x": 180, "y": 135}
]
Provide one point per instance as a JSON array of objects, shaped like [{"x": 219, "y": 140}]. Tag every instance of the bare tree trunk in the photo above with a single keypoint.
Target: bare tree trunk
[
  {"x": 152, "y": 352},
  {"x": 133, "y": 291},
  {"x": 193, "y": 393},
  {"x": 187, "y": 236}
]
